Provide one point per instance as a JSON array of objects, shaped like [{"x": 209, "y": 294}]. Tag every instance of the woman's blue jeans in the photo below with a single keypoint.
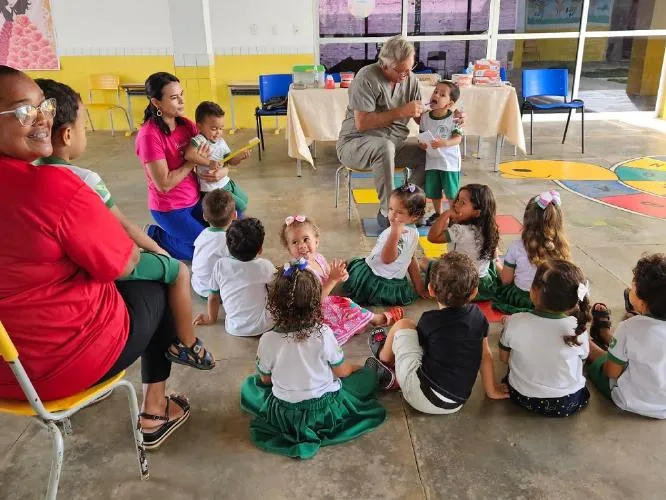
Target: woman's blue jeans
[{"x": 177, "y": 230}]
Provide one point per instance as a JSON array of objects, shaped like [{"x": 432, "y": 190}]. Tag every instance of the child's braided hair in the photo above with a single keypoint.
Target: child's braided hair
[{"x": 294, "y": 300}]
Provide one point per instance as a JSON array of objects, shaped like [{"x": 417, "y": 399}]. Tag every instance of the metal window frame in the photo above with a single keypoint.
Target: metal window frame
[{"x": 492, "y": 36}]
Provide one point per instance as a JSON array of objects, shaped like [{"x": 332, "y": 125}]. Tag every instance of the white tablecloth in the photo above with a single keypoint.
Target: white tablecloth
[{"x": 317, "y": 114}]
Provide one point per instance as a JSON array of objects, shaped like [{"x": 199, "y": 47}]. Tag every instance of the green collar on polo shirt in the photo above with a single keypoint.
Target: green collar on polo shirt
[
  {"x": 216, "y": 229},
  {"x": 548, "y": 314},
  {"x": 51, "y": 160}
]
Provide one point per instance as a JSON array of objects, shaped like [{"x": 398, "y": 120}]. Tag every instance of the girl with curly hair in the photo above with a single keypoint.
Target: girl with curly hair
[
  {"x": 542, "y": 239},
  {"x": 306, "y": 394},
  {"x": 469, "y": 227}
]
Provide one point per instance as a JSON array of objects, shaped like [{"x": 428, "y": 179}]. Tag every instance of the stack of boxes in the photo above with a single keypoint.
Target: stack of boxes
[{"x": 487, "y": 72}]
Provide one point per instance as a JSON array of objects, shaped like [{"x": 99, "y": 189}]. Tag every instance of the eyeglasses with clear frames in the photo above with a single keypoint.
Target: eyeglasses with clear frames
[
  {"x": 27, "y": 114},
  {"x": 405, "y": 72}
]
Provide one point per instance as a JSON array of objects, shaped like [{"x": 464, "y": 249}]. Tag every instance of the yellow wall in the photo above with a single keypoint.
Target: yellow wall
[
  {"x": 200, "y": 83},
  {"x": 248, "y": 68},
  {"x": 74, "y": 71}
]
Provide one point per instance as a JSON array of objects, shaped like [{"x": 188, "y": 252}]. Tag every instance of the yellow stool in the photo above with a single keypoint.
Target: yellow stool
[
  {"x": 106, "y": 83},
  {"x": 49, "y": 413},
  {"x": 350, "y": 171}
]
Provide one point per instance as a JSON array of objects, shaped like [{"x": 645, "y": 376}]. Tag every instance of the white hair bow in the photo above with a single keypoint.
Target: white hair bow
[
  {"x": 290, "y": 219},
  {"x": 583, "y": 290},
  {"x": 548, "y": 197}
]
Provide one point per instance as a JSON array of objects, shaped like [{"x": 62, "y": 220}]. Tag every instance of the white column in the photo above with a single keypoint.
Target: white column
[{"x": 191, "y": 32}]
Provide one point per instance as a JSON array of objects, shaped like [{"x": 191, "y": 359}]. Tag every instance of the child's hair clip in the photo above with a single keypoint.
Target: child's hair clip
[
  {"x": 408, "y": 187},
  {"x": 291, "y": 267},
  {"x": 290, "y": 219},
  {"x": 583, "y": 290},
  {"x": 548, "y": 197}
]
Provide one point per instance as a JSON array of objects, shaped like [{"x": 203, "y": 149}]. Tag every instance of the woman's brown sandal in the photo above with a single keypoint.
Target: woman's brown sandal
[{"x": 154, "y": 438}]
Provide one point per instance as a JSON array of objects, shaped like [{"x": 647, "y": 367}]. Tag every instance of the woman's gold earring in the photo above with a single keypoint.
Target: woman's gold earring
[{"x": 159, "y": 112}]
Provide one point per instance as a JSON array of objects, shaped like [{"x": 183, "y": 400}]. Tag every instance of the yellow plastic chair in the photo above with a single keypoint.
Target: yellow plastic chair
[
  {"x": 349, "y": 171},
  {"x": 100, "y": 84},
  {"x": 50, "y": 413}
]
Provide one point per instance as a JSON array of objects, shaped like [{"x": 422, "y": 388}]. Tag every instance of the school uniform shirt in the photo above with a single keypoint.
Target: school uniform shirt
[
  {"x": 452, "y": 342},
  {"x": 467, "y": 239},
  {"x": 523, "y": 270},
  {"x": 446, "y": 158},
  {"x": 541, "y": 364},
  {"x": 61, "y": 251},
  {"x": 209, "y": 247},
  {"x": 300, "y": 369},
  {"x": 243, "y": 289},
  {"x": 639, "y": 343},
  {"x": 406, "y": 247},
  {"x": 92, "y": 179},
  {"x": 218, "y": 150},
  {"x": 153, "y": 145}
]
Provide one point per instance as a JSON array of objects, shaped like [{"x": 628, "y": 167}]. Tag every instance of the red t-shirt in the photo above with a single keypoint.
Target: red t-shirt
[
  {"x": 61, "y": 251},
  {"x": 152, "y": 145}
]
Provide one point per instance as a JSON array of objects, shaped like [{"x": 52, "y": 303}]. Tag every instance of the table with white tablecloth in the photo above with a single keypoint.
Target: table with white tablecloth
[{"x": 317, "y": 114}]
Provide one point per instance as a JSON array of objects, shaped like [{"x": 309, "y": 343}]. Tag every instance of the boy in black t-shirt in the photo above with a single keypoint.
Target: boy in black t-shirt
[{"x": 436, "y": 361}]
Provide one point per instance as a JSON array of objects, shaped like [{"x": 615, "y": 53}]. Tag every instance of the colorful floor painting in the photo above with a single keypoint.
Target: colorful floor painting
[{"x": 637, "y": 185}]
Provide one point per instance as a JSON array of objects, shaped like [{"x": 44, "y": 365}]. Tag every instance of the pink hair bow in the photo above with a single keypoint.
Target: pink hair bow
[
  {"x": 548, "y": 197},
  {"x": 290, "y": 220}
]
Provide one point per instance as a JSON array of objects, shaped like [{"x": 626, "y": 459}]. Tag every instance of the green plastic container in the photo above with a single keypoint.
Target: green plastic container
[{"x": 309, "y": 76}]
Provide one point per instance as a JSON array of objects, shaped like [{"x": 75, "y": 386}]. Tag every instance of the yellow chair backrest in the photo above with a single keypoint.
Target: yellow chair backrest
[
  {"x": 7, "y": 350},
  {"x": 104, "y": 82}
]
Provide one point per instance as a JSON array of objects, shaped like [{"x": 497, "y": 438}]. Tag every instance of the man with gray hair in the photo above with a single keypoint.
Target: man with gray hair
[{"x": 383, "y": 97}]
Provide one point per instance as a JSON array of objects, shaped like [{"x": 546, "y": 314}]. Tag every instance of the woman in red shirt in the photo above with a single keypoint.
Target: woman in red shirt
[{"x": 61, "y": 252}]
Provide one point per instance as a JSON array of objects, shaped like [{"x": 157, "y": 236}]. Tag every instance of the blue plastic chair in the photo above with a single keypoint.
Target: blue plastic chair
[
  {"x": 550, "y": 82},
  {"x": 271, "y": 86}
]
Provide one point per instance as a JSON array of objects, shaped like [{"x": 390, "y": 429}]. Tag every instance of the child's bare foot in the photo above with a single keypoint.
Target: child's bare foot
[{"x": 388, "y": 317}]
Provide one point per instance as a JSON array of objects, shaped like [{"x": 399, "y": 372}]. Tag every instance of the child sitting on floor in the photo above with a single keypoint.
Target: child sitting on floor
[
  {"x": 442, "y": 169},
  {"x": 542, "y": 239},
  {"x": 210, "y": 122},
  {"x": 470, "y": 227},
  {"x": 546, "y": 347},
  {"x": 300, "y": 236},
  {"x": 210, "y": 246},
  {"x": 240, "y": 282},
  {"x": 306, "y": 395},
  {"x": 436, "y": 360},
  {"x": 633, "y": 372},
  {"x": 68, "y": 136},
  {"x": 380, "y": 279}
]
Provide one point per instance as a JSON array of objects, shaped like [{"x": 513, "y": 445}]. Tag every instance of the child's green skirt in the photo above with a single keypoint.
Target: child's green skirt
[
  {"x": 488, "y": 285},
  {"x": 365, "y": 287},
  {"x": 510, "y": 299},
  {"x": 299, "y": 429}
]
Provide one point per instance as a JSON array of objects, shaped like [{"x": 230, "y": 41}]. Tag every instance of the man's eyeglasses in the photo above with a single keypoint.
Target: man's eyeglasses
[
  {"x": 27, "y": 114},
  {"x": 404, "y": 72}
]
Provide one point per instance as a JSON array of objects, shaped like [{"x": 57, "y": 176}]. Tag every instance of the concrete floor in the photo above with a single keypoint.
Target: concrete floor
[{"x": 490, "y": 449}]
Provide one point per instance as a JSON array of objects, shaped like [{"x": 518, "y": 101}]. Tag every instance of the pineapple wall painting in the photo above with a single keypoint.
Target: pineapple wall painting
[{"x": 27, "y": 39}]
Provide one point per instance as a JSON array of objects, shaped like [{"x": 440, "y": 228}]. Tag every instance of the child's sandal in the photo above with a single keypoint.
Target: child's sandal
[
  {"x": 386, "y": 379},
  {"x": 600, "y": 321},
  {"x": 191, "y": 356}
]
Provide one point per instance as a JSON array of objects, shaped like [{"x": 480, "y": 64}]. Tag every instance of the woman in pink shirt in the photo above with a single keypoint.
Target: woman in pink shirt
[{"x": 173, "y": 188}]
